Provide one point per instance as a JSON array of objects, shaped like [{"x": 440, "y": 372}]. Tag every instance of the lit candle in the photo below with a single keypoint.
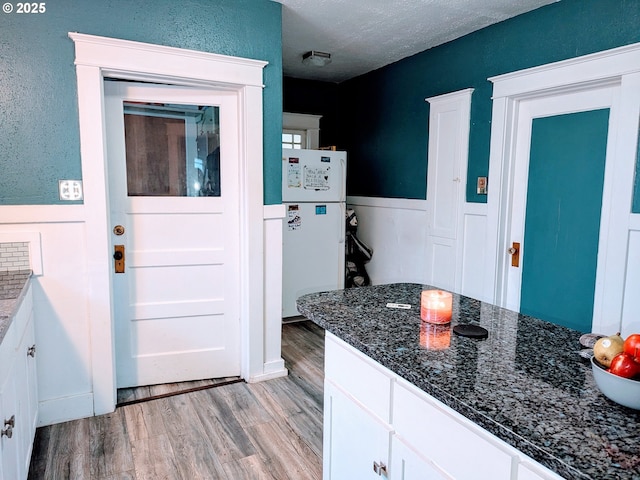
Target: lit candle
[
  {"x": 434, "y": 337},
  {"x": 435, "y": 306}
]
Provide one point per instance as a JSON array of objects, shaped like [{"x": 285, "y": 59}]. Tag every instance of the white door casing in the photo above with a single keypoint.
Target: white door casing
[
  {"x": 100, "y": 57},
  {"x": 619, "y": 66},
  {"x": 176, "y": 303},
  {"x": 529, "y": 109}
]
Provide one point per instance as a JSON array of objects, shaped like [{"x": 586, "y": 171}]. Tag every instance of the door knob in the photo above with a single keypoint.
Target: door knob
[
  {"x": 512, "y": 250},
  {"x": 118, "y": 255}
]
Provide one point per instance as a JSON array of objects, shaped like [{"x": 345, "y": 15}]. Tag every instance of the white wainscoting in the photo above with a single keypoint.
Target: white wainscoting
[
  {"x": 58, "y": 239},
  {"x": 631, "y": 303},
  {"x": 472, "y": 250},
  {"x": 397, "y": 230}
]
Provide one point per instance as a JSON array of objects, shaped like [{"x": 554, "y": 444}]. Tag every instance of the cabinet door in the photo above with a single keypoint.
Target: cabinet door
[
  {"x": 9, "y": 446},
  {"x": 355, "y": 441},
  {"x": 407, "y": 464},
  {"x": 27, "y": 393}
]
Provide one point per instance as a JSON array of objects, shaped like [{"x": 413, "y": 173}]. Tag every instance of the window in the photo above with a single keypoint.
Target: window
[
  {"x": 300, "y": 130},
  {"x": 293, "y": 139}
]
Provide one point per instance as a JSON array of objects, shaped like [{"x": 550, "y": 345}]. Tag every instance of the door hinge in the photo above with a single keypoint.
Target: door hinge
[{"x": 380, "y": 469}]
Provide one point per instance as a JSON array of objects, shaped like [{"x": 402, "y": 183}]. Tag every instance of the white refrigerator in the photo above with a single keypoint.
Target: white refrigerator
[{"x": 314, "y": 195}]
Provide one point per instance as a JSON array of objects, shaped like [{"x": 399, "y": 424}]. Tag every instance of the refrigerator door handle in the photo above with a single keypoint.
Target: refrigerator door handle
[{"x": 343, "y": 184}]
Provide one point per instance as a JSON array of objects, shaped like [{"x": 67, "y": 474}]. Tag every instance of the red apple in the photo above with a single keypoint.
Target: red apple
[
  {"x": 632, "y": 346},
  {"x": 625, "y": 366}
]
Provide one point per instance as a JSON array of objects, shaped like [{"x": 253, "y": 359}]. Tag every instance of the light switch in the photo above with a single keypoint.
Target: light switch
[
  {"x": 70, "y": 189},
  {"x": 482, "y": 186}
]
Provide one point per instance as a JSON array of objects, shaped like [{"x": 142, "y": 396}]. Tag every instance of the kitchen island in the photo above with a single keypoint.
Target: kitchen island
[
  {"x": 18, "y": 376},
  {"x": 525, "y": 385}
]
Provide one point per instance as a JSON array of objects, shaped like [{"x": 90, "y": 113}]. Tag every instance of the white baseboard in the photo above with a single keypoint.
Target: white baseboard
[
  {"x": 272, "y": 370},
  {"x": 64, "y": 409}
]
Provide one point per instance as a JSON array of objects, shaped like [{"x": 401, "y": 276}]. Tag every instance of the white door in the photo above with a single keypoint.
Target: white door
[
  {"x": 526, "y": 190},
  {"x": 174, "y": 199}
]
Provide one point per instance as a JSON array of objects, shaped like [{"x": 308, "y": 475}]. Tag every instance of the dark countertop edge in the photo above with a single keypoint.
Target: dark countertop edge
[
  {"x": 10, "y": 306},
  {"x": 509, "y": 437}
]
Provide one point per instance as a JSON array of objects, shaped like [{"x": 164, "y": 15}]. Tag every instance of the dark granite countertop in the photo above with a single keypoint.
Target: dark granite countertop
[
  {"x": 525, "y": 383},
  {"x": 12, "y": 286}
]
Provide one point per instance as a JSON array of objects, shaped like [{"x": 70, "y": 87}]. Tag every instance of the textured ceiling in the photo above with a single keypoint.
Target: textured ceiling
[{"x": 364, "y": 35}]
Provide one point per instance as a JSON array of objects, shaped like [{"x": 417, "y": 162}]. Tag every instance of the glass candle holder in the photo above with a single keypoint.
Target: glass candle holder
[{"x": 435, "y": 306}]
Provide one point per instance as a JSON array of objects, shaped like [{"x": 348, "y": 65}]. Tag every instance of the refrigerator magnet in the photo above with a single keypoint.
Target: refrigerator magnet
[
  {"x": 294, "y": 222},
  {"x": 294, "y": 179}
]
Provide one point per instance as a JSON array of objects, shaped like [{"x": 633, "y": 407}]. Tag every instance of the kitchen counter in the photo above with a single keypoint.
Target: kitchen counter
[
  {"x": 13, "y": 285},
  {"x": 525, "y": 383}
]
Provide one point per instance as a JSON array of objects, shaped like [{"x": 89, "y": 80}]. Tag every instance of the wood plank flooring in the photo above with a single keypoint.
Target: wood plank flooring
[{"x": 270, "y": 430}]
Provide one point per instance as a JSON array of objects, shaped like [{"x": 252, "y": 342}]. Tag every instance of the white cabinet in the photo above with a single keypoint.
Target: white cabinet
[
  {"x": 409, "y": 464},
  {"x": 362, "y": 455},
  {"x": 357, "y": 399},
  {"x": 377, "y": 425},
  {"x": 18, "y": 393}
]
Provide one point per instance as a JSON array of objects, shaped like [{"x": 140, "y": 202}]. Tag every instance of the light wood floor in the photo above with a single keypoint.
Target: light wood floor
[{"x": 268, "y": 430}]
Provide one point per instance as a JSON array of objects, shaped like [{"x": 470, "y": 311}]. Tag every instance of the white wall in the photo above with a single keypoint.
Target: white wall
[
  {"x": 631, "y": 302},
  {"x": 57, "y": 237},
  {"x": 397, "y": 230}
]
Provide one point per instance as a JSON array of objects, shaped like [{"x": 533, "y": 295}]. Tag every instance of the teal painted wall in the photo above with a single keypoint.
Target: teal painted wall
[
  {"x": 39, "y": 143},
  {"x": 564, "y": 200},
  {"x": 387, "y": 117}
]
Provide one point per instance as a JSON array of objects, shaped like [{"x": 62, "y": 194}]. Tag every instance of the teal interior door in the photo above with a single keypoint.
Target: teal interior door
[{"x": 562, "y": 225}]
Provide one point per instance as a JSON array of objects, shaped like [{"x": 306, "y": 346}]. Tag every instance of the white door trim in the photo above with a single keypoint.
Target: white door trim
[
  {"x": 619, "y": 67},
  {"x": 100, "y": 57}
]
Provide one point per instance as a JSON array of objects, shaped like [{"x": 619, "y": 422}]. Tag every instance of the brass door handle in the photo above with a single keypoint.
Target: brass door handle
[
  {"x": 514, "y": 251},
  {"x": 118, "y": 256}
]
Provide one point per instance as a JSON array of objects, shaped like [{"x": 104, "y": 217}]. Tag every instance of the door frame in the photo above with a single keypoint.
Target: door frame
[
  {"x": 619, "y": 68},
  {"x": 100, "y": 57}
]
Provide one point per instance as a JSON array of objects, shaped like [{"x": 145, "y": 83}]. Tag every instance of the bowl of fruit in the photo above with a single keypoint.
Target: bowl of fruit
[{"x": 616, "y": 368}]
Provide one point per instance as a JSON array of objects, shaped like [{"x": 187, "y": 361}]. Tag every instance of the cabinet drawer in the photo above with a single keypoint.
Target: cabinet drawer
[
  {"x": 451, "y": 442},
  {"x": 359, "y": 376}
]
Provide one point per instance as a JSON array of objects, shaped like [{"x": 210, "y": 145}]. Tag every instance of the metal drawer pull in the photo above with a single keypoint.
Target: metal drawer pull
[
  {"x": 10, "y": 424},
  {"x": 31, "y": 351}
]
